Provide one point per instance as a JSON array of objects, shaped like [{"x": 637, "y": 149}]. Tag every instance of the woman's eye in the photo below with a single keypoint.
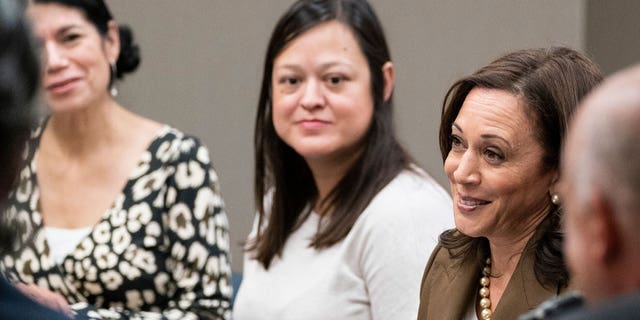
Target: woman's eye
[
  {"x": 288, "y": 84},
  {"x": 336, "y": 80},
  {"x": 70, "y": 37},
  {"x": 493, "y": 155},
  {"x": 456, "y": 142},
  {"x": 291, "y": 81}
]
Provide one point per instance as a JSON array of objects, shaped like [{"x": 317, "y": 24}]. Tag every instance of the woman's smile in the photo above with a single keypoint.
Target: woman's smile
[
  {"x": 64, "y": 86},
  {"x": 468, "y": 204}
]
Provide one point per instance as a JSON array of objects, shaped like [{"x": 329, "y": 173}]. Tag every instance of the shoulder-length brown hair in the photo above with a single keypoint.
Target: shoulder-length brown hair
[
  {"x": 278, "y": 168},
  {"x": 550, "y": 82}
]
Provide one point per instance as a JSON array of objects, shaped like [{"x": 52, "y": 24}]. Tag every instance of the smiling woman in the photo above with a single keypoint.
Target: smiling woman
[
  {"x": 494, "y": 167},
  {"x": 121, "y": 215},
  {"x": 70, "y": 41},
  {"x": 500, "y": 137}
]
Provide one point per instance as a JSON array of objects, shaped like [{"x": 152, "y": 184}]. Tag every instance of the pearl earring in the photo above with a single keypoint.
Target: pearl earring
[{"x": 555, "y": 199}]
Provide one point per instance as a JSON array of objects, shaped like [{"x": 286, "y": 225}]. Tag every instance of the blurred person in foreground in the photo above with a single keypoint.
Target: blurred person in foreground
[
  {"x": 500, "y": 137},
  {"x": 600, "y": 190},
  {"x": 119, "y": 216},
  {"x": 19, "y": 71}
]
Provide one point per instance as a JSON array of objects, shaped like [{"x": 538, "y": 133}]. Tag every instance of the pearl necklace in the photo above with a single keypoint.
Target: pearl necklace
[{"x": 485, "y": 302}]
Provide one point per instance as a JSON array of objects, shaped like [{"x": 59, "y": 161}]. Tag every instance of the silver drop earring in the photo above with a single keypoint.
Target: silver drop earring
[{"x": 113, "y": 90}]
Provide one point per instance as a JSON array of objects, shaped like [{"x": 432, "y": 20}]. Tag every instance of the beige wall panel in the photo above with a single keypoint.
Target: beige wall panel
[{"x": 613, "y": 33}]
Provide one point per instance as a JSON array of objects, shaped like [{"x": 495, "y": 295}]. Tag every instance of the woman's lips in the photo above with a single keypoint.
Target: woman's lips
[
  {"x": 468, "y": 204},
  {"x": 62, "y": 87},
  {"x": 313, "y": 124}
]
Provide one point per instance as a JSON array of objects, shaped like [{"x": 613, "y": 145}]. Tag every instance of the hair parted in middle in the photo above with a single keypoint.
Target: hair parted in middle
[{"x": 283, "y": 174}]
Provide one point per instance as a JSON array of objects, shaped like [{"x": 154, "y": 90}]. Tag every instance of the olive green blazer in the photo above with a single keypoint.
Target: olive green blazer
[{"x": 448, "y": 289}]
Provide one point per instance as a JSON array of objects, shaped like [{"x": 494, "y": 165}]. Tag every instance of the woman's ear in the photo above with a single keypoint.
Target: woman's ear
[
  {"x": 388, "y": 75},
  {"x": 112, "y": 42}
]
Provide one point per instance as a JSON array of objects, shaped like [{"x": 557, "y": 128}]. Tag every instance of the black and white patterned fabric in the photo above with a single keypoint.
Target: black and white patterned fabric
[{"x": 160, "y": 252}]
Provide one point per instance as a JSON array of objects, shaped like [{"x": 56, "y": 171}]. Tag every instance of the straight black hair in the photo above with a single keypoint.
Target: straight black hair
[{"x": 283, "y": 175}]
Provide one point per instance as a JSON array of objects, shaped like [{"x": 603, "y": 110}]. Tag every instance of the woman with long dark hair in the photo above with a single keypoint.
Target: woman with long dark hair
[{"x": 345, "y": 219}]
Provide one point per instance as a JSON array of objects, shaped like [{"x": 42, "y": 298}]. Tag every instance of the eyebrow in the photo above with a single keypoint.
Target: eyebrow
[
  {"x": 493, "y": 136},
  {"x": 485, "y": 136},
  {"x": 323, "y": 66},
  {"x": 286, "y": 66},
  {"x": 66, "y": 28}
]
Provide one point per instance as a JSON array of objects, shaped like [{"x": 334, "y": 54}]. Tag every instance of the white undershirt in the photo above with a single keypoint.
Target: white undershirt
[
  {"x": 64, "y": 241},
  {"x": 471, "y": 312}
]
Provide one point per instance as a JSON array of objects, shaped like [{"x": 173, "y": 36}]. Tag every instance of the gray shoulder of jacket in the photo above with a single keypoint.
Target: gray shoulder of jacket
[{"x": 555, "y": 306}]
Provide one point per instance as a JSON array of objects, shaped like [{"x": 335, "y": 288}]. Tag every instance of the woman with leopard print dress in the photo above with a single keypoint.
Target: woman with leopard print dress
[{"x": 121, "y": 217}]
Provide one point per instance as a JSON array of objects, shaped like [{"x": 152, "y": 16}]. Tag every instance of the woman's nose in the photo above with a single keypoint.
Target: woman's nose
[
  {"x": 312, "y": 97},
  {"x": 54, "y": 57},
  {"x": 467, "y": 170}
]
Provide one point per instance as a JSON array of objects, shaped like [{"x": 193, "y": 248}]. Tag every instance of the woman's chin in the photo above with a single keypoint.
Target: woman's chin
[
  {"x": 64, "y": 107},
  {"x": 468, "y": 227}
]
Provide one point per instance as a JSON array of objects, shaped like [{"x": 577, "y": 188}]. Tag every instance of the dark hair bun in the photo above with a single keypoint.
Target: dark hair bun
[{"x": 129, "y": 58}]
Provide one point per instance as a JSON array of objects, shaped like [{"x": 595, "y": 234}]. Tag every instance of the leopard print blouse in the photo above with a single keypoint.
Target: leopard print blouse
[{"x": 160, "y": 252}]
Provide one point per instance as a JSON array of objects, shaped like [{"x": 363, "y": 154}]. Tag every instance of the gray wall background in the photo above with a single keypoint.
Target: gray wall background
[
  {"x": 202, "y": 65},
  {"x": 613, "y": 33}
]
